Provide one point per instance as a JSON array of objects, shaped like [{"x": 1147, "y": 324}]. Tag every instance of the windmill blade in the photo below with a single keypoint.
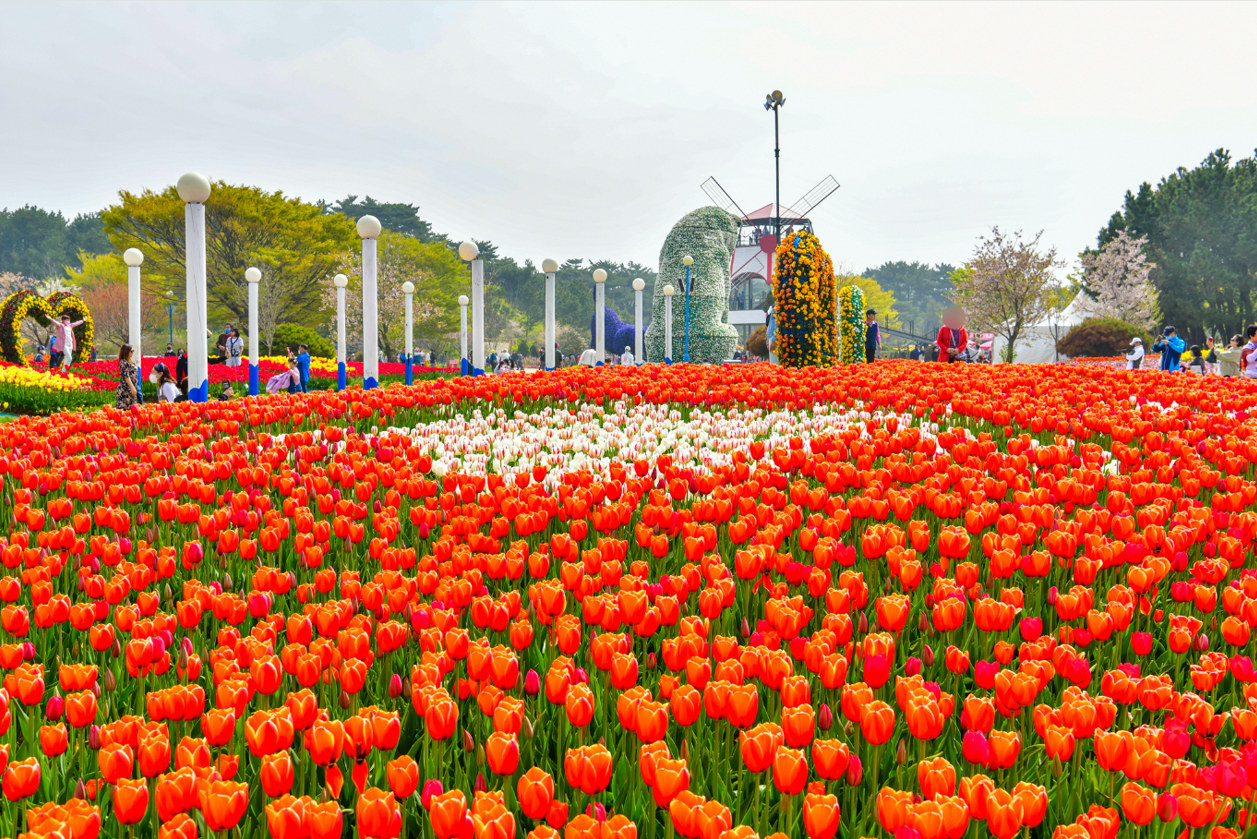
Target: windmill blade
[
  {"x": 721, "y": 198},
  {"x": 815, "y": 196}
]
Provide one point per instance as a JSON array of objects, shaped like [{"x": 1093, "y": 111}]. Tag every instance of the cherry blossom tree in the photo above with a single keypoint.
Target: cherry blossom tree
[
  {"x": 1116, "y": 282},
  {"x": 1003, "y": 285}
]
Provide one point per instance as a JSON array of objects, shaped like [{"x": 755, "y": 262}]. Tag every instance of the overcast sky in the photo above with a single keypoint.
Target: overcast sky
[{"x": 585, "y": 129}]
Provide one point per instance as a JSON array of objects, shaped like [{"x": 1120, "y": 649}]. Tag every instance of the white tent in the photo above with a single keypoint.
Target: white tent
[{"x": 1037, "y": 343}]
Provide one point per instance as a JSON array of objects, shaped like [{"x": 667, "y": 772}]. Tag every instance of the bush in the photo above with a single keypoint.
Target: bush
[
  {"x": 757, "y": 342},
  {"x": 291, "y": 335},
  {"x": 1101, "y": 337}
]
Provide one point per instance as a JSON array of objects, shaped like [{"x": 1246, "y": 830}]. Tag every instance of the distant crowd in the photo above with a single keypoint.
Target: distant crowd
[{"x": 1238, "y": 359}]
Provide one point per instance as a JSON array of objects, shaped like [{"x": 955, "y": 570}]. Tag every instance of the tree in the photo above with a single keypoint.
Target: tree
[
  {"x": 295, "y": 244},
  {"x": 1115, "y": 282},
  {"x": 1056, "y": 299},
  {"x": 1199, "y": 227},
  {"x": 1002, "y": 285},
  {"x": 875, "y": 297},
  {"x": 439, "y": 277},
  {"x": 399, "y": 218},
  {"x": 921, "y": 292},
  {"x": 40, "y": 243}
]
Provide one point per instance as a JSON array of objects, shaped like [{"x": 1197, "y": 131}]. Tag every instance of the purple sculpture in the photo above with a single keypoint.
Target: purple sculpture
[{"x": 619, "y": 334}]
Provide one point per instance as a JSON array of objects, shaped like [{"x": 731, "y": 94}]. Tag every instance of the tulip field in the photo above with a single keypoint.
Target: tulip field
[{"x": 905, "y": 600}]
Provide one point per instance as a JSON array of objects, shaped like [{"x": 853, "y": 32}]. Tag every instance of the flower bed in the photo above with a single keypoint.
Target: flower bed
[{"x": 714, "y": 602}]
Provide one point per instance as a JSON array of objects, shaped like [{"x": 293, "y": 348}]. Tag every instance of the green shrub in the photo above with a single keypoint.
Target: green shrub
[
  {"x": 292, "y": 335},
  {"x": 1101, "y": 338}
]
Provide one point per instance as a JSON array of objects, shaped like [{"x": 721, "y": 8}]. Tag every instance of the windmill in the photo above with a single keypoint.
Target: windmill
[{"x": 757, "y": 241}]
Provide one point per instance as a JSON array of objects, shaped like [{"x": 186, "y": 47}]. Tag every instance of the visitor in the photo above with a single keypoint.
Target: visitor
[
  {"x": 92, "y": 356},
  {"x": 287, "y": 380},
  {"x": 167, "y": 390},
  {"x": 503, "y": 366},
  {"x": 1248, "y": 356},
  {"x": 181, "y": 371},
  {"x": 770, "y": 334},
  {"x": 221, "y": 343},
  {"x": 1135, "y": 358},
  {"x": 303, "y": 366},
  {"x": 65, "y": 339},
  {"x": 627, "y": 359},
  {"x": 1196, "y": 361},
  {"x": 234, "y": 348},
  {"x": 872, "y": 336},
  {"x": 1171, "y": 348},
  {"x": 127, "y": 394},
  {"x": 54, "y": 357},
  {"x": 383, "y": 358},
  {"x": 588, "y": 358},
  {"x": 952, "y": 339},
  {"x": 493, "y": 360},
  {"x": 170, "y": 350},
  {"x": 226, "y": 394},
  {"x": 1211, "y": 354},
  {"x": 39, "y": 354},
  {"x": 1229, "y": 358}
]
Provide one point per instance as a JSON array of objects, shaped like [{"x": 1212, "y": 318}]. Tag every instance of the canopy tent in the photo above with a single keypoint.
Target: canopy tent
[{"x": 1037, "y": 343}]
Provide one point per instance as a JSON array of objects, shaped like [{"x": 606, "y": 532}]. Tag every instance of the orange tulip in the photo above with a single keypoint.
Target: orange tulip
[
  {"x": 223, "y": 803},
  {"x": 1138, "y": 803},
  {"x": 821, "y": 816},
  {"x": 535, "y": 791},
  {"x": 130, "y": 800},
  {"x": 448, "y": 813},
  {"x": 789, "y": 771},
  {"x": 936, "y": 777}
]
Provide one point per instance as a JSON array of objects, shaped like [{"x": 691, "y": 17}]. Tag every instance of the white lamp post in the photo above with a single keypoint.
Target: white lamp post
[
  {"x": 638, "y": 356},
  {"x": 253, "y": 276},
  {"x": 342, "y": 379},
  {"x": 408, "y": 289},
  {"x": 194, "y": 189},
  {"x": 549, "y": 267},
  {"x": 668, "y": 291},
  {"x": 471, "y": 253},
  {"x": 463, "y": 367},
  {"x": 687, "y": 261},
  {"x": 369, "y": 228},
  {"x": 600, "y": 317},
  {"x": 134, "y": 258}
]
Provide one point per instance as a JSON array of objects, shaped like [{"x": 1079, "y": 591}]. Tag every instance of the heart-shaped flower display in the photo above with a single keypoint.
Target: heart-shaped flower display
[{"x": 24, "y": 304}]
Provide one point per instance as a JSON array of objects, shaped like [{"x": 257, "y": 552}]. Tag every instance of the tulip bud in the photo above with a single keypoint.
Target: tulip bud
[
  {"x": 93, "y": 736},
  {"x": 526, "y": 729},
  {"x": 532, "y": 683},
  {"x": 927, "y": 655},
  {"x": 430, "y": 789},
  {"x": 912, "y": 667},
  {"x": 1202, "y": 642},
  {"x": 746, "y": 627},
  {"x": 1167, "y": 807},
  {"x": 227, "y": 584},
  {"x": 55, "y": 707},
  {"x": 28, "y": 650},
  {"x": 481, "y": 786},
  {"x": 110, "y": 680},
  {"x": 480, "y": 755},
  {"x": 825, "y": 717},
  {"x": 395, "y": 686},
  {"x": 345, "y": 701},
  {"x": 922, "y": 623},
  {"x": 580, "y": 677},
  {"x": 596, "y": 811},
  {"x": 80, "y": 791},
  {"x": 855, "y": 771},
  {"x": 863, "y": 627},
  {"x": 685, "y": 750},
  {"x": 651, "y": 661},
  {"x": 469, "y": 743},
  {"x": 901, "y": 753}
]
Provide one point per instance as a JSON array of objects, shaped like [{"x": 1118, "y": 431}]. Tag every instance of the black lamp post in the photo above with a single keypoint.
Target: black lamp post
[{"x": 773, "y": 102}]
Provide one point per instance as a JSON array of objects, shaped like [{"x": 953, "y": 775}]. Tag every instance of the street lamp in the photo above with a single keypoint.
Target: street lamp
[
  {"x": 600, "y": 317},
  {"x": 773, "y": 102},
  {"x": 170, "y": 315},
  {"x": 668, "y": 291},
  {"x": 469, "y": 252},
  {"x": 253, "y": 276},
  {"x": 369, "y": 228},
  {"x": 134, "y": 259},
  {"x": 638, "y": 285},
  {"x": 687, "y": 261},
  {"x": 342, "y": 356},
  {"x": 194, "y": 191},
  {"x": 464, "y": 367},
  {"x": 408, "y": 289},
  {"x": 549, "y": 267}
]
